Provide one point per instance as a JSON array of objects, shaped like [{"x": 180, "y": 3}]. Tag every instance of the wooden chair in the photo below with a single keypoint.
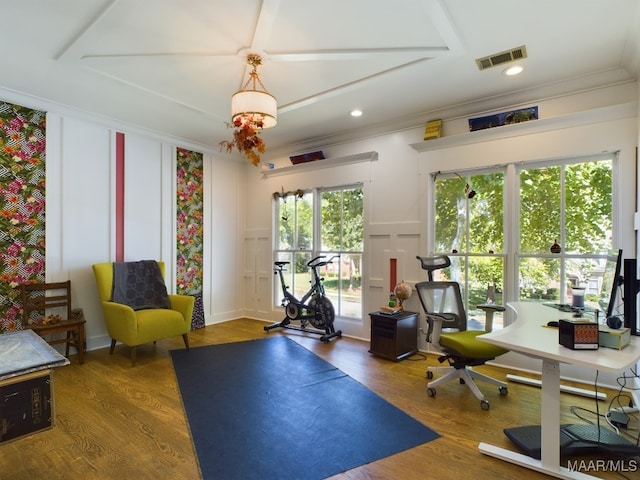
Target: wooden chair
[{"x": 46, "y": 309}]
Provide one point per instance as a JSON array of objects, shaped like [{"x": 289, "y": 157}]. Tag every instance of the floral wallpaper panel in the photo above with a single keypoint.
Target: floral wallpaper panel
[
  {"x": 22, "y": 206},
  {"x": 189, "y": 240}
]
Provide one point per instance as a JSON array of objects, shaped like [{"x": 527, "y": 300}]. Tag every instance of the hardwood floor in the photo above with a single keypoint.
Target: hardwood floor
[{"x": 114, "y": 421}]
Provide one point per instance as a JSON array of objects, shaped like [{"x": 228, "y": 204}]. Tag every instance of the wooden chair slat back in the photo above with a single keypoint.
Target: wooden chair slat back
[{"x": 42, "y": 297}]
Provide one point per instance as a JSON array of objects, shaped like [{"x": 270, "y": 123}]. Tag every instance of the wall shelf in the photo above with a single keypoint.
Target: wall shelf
[
  {"x": 318, "y": 164},
  {"x": 575, "y": 119}
]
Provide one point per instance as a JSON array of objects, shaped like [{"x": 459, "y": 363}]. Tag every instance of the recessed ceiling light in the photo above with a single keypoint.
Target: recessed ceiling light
[
  {"x": 356, "y": 113},
  {"x": 515, "y": 70}
]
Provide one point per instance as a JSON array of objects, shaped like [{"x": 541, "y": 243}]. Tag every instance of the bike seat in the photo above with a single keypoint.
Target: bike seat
[{"x": 280, "y": 264}]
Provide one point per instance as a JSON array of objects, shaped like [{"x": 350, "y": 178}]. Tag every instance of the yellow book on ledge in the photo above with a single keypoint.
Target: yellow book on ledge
[{"x": 433, "y": 129}]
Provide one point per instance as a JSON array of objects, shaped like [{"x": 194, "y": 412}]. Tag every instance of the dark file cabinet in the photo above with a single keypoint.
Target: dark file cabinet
[{"x": 394, "y": 336}]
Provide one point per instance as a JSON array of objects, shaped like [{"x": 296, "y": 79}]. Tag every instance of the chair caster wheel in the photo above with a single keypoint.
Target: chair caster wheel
[
  {"x": 431, "y": 392},
  {"x": 462, "y": 382},
  {"x": 429, "y": 375},
  {"x": 484, "y": 404},
  {"x": 503, "y": 391}
]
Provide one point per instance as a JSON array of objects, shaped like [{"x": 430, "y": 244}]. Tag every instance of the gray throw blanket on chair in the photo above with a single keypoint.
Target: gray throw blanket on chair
[{"x": 139, "y": 285}]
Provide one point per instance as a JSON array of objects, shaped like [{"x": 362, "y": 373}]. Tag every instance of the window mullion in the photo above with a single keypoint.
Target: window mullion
[
  {"x": 512, "y": 236},
  {"x": 563, "y": 235},
  {"x": 563, "y": 205},
  {"x": 317, "y": 222}
]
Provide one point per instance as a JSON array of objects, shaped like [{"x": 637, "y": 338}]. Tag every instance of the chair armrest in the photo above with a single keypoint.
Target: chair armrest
[
  {"x": 119, "y": 318},
  {"x": 436, "y": 327},
  {"x": 490, "y": 309},
  {"x": 183, "y": 304}
]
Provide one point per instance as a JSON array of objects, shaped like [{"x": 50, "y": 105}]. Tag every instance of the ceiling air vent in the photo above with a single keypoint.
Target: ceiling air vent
[{"x": 503, "y": 57}]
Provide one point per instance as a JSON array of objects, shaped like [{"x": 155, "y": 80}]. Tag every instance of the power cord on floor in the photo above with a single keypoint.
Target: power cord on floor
[
  {"x": 421, "y": 356},
  {"x": 607, "y": 416},
  {"x": 624, "y": 412},
  {"x": 618, "y": 415}
]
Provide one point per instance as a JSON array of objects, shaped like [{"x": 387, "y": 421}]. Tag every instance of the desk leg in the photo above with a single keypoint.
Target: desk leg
[
  {"x": 550, "y": 414},
  {"x": 550, "y": 432}
]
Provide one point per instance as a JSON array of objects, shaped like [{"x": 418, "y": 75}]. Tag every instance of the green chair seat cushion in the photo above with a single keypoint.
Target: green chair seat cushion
[
  {"x": 160, "y": 323},
  {"x": 466, "y": 345}
]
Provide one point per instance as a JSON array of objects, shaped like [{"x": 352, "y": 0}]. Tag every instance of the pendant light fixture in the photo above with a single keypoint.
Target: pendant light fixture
[{"x": 251, "y": 106}]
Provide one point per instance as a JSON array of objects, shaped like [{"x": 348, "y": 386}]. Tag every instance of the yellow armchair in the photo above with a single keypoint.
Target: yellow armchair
[{"x": 137, "y": 327}]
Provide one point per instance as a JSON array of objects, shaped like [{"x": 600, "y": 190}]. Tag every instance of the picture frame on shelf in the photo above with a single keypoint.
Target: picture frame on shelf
[{"x": 504, "y": 118}]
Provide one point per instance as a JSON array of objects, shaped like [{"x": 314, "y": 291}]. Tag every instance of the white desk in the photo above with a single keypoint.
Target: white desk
[{"x": 528, "y": 336}]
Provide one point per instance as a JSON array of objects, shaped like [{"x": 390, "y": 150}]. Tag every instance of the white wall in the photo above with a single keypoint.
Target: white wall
[
  {"x": 238, "y": 198},
  {"x": 80, "y": 226},
  {"x": 614, "y": 135},
  {"x": 147, "y": 199},
  {"x": 397, "y": 185},
  {"x": 398, "y": 188},
  {"x": 226, "y": 199}
]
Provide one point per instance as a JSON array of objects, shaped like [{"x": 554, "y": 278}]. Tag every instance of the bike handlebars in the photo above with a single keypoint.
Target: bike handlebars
[
  {"x": 314, "y": 259},
  {"x": 311, "y": 263}
]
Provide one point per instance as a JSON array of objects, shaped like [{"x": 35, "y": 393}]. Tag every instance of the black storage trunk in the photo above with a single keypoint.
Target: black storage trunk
[{"x": 26, "y": 405}]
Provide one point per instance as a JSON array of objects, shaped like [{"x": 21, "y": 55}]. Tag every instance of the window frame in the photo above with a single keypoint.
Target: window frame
[
  {"x": 316, "y": 248},
  {"x": 511, "y": 198}
]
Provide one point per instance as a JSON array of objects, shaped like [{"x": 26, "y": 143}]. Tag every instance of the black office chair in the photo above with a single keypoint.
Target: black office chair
[
  {"x": 447, "y": 320},
  {"x": 433, "y": 263}
]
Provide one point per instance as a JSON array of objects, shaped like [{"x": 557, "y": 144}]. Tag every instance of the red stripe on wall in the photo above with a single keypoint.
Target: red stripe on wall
[
  {"x": 393, "y": 273},
  {"x": 119, "y": 197}
]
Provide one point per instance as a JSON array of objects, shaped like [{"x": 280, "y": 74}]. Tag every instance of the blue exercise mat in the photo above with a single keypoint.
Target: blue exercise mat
[{"x": 271, "y": 409}]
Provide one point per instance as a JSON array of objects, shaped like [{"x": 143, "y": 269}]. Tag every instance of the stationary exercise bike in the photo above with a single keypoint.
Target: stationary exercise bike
[{"x": 313, "y": 308}]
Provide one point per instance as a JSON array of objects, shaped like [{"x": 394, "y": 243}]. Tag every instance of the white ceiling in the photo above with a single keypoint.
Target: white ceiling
[{"x": 172, "y": 65}]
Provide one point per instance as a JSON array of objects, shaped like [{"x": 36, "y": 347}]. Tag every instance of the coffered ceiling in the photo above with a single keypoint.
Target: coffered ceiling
[{"x": 172, "y": 65}]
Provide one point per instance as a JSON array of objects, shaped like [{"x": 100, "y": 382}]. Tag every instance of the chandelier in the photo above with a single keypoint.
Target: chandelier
[{"x": 250, "y": 106}]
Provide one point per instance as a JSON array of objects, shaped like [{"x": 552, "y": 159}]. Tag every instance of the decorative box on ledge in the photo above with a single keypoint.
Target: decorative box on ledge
[{"x": 307, "y": 157}]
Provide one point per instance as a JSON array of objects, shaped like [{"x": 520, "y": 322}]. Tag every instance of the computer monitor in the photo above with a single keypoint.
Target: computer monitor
[
  {"x": 611, "y": 282},
  {"x": 631, "y": 288}
]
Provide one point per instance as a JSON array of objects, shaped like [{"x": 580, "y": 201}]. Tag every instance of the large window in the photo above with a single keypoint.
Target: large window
[
  {"x": 498, "y": 247},
  {"x": 567, "y": 207},
  {"x": 323, "y": 222},
  {"x": 469, "y": 228}
]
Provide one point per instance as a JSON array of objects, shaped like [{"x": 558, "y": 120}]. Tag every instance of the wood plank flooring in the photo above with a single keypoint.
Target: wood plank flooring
[{"x": 114, "y": 421}]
